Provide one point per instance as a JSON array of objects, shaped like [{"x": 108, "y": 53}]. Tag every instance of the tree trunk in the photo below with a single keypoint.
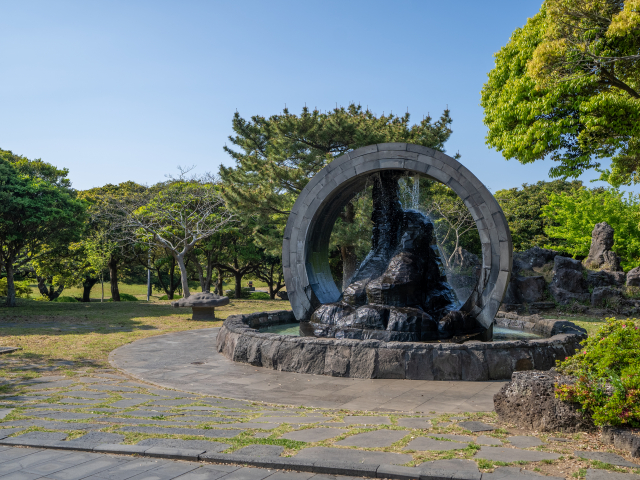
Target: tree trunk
[
  {"x": 172, "y": 287},
  {"x": 200, "y": 274},
  {"x": 87, "y": 285},
  {"x": 209, "y": 274},
  {"x": 50, "y": 292},
  {"x": 11, "y": 286},
  {"x": 272, "y": 293},
  {"x": 183, "y": 275},
  {"x": 113, "y": 273},
  {"x": 238, "y": 277},
  {"x": 349, "y": 264},
  {"x": 220, "y": 283}
]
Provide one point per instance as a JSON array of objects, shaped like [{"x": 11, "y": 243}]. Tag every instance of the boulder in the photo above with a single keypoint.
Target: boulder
[
  {"x": 568, "y": 284},
  {"x": 633, "y": 277},
  {"x": 604, "y": 278},
  {"x": 529, "y": 401},
  {"x": 535, "y": 257},
  {"x": 525, "y": 289},
  {"x": 202, "y": 304},
  {"x": 600, "y": 254},
  {"x": 601, "y": 295}
]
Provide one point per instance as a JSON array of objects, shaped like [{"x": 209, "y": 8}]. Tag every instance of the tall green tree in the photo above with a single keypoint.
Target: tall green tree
[
  {"x": 34, "y": 212},
  {"x": 277, "y": 156},
  {"x": 107, "y": 219},
  {"x": 574, "y": 215},
  {"x": 567, "y": 87},
  {"x": 523, "y": 206},
  {"x": 175, "y": 216},
  {"x": 236, "y": 254}
]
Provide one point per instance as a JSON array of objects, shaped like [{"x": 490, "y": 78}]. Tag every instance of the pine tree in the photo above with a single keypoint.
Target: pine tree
[{"x": 277, "y": 156}]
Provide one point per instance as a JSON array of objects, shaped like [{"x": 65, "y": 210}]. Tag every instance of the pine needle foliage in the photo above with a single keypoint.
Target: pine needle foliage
[{"x": 276, "y": 156}]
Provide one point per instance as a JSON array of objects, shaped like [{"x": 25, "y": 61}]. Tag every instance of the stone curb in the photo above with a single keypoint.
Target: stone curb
[
  {"x": 395, "y": 472},
  {"x": 238, "y": 340}
]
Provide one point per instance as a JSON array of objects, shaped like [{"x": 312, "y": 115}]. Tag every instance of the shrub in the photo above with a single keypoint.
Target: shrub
[
  {"x": 608, "y": 375},
  {"x": 166, "y": 297},
  {"x": 259, "y": 296},
  {"x": 62, "y": 299},
  {"x": 125, "y": 297},
  {"x": 23, "y": 290},
  {"x": 246, "y": 293}
]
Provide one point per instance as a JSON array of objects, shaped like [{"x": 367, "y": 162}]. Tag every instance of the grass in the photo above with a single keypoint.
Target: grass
[
  {"x": 52, "y": 332},
  {"x": 138, "y": 290},
  {"x": 590, "y": 323}
]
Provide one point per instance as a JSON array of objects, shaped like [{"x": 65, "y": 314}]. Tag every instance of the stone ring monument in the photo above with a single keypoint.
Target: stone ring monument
[
  {"x": 306, "y": 239},
  {"x": 398, "y": 316}
]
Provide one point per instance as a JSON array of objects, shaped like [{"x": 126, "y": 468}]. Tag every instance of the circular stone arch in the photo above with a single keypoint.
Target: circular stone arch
[{"x": 305, "y": 249}]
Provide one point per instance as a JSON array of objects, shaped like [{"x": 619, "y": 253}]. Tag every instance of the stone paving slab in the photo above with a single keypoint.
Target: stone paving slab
[
  {"x": 126, "y": 403},
  {"x": 455, "y": 438},
  {"x": 5, "y": 432},
  {"x": 593, "y": 474},
  {"x": 606, "y": 457},
  {"x": 35, "y": 438},
  {"x": 212, "y": 433},
  {"x": 477, "y": 426},
  {"x": 264, "y": 426},
  {"x": 515, "y": 473},
  {"x": 64, "y": 415},
  {"x": 260, "y": 451},
  {"x": 454, "y": 468},
  {"x": 485, "y": 440},
  {"x": 366, "y": 420},
  {"x": 375, "y": 439},
  {"x": 164, "y": 359},
  {"x": 4, "y": 412},
  {"x": 522, "y": 441},
  {"x": 297, "y": 420},
  {"x": 313, "y": 434},
  {"x": 204, "y": 445},
  {"x": 429, "y": 444},
  {"x": 508, "y": 455},
  {"x": 414, "y": 423},
  {"x": 350, "y": 455}
]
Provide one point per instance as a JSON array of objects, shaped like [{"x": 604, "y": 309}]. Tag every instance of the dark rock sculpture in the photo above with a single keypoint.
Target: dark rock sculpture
[
  {"x": 604, "y": 278},
  {"x": 633, "y": 277},
  {"x": 534, "y": 257},
  {"x": 605, "y": 296},
  {"x": 569, "y": 284},
  {"x": 529, "y": 401},
  {"x": 600, "y": 254},
  {"x": 399, "y": 292},
  {"x": 202, "y": 304},
  {"x": 525, "y": 287}
]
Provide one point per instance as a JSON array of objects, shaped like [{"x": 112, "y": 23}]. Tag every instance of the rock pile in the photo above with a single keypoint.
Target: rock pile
[
  {"x": 529, "y": 401},
  {"x": 600, "y": 253},
  {"x": 400, "y": 291}
]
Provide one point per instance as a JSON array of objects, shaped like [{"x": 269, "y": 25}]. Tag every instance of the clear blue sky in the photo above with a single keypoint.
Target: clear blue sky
[{"x": 129, "y": 90}]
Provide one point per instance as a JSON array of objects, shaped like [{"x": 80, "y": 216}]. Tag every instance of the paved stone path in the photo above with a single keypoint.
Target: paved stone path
[
  {"x": 189, "y": 361},
  {"x": 76, "y": 426}
]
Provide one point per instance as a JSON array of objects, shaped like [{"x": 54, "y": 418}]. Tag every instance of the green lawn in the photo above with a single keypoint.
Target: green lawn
[
  {"x": 137, "y": 290},
  {"x": 85, "y": 333}
]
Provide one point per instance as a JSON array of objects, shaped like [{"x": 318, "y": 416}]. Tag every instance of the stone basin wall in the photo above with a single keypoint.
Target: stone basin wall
[{"x": 239, "y": 341}]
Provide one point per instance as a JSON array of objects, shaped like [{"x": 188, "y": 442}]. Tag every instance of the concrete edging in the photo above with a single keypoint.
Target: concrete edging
[
  {"x": 395, "y": 472},
  {"x": 239, "y": 341}
]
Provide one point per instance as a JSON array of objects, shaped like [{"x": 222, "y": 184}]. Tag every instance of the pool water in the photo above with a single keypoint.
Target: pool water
[{"x": 499, "y": 333}]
